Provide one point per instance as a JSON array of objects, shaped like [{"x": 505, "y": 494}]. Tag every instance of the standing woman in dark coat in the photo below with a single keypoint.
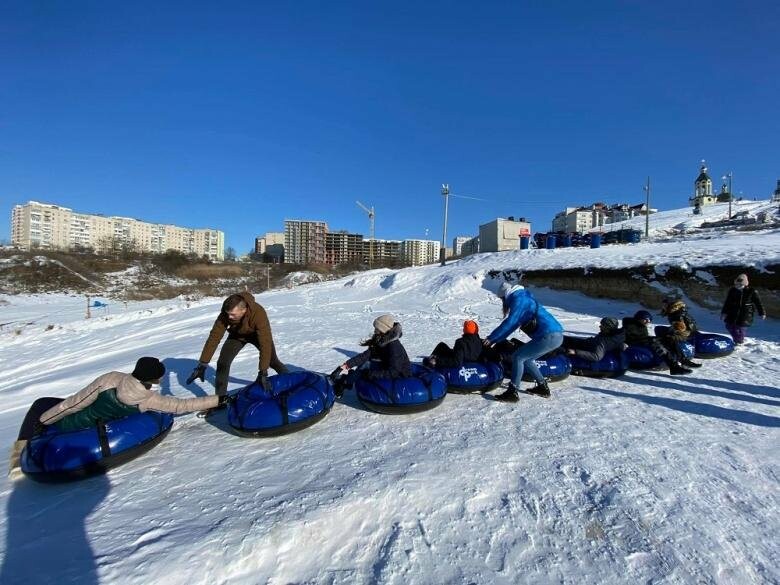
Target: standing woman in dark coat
[{"x": 740, "y": 307}]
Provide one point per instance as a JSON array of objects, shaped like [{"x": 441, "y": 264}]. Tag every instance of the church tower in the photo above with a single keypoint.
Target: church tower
[{"x": 702, "y": 188}]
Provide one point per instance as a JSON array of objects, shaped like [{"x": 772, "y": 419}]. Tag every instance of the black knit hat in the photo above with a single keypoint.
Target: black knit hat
[{"x": 148, "y": 369}]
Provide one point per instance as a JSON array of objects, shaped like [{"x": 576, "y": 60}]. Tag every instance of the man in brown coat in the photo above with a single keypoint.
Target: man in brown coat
[{"x": 245, "y": 321}]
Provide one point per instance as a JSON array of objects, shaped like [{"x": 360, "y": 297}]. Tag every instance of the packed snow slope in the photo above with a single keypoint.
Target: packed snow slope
[{"x": 644, "y": 479}]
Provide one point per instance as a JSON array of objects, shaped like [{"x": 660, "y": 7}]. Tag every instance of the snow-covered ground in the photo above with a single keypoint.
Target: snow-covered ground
[{"x": 644, "y": 479}]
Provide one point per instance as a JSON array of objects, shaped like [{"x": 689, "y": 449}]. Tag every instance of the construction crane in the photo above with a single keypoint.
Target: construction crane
[{"x": 371, "y": 214}]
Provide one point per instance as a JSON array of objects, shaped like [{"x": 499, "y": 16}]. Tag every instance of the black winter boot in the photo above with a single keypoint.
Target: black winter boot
[
  {"x": 510, "y": 395},
  {"x": 542, "y": 390},
  {"x": 677, "y": 369},
  {"x": 690, "y": 363}
]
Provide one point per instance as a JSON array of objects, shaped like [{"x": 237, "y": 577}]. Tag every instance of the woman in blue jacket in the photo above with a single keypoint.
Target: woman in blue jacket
[{"x": 522, "y": 310}]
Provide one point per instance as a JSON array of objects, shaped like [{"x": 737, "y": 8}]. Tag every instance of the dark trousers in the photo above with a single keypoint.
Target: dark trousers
[
  {"x": 445, "y": 356},
  {"x": 31, "y": 425},
  {"x": 229, "y": 351}
]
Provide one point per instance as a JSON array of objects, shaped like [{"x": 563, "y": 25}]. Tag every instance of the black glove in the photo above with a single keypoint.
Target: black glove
[
  {"x": 262, "y": 379},
  {"x": 198, "y": 373},
  {"x": 226, "y": 400}
]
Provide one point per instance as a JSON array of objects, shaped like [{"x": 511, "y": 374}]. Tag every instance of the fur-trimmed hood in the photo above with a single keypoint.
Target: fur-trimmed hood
[{"x": 382, "y": 339}]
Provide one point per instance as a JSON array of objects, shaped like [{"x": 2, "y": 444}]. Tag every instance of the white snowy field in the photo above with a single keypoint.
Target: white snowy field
[{"x": 645, "y": 479}]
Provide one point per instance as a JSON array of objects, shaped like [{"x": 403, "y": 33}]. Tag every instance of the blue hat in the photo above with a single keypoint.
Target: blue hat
[{"x": 643, "y": 316}]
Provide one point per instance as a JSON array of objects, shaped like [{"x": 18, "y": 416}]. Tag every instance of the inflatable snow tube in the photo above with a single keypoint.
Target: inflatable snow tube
[
  {"x": 425, "y": 389},
  {"x": 553, "y": 366},
  {"x": 612, "y": 365},
  {"x": 473, "y": 377},
  {"x": 56, "y": 456},
  {"x": 703, "y": 345},
  {"x": 643, "y": 358},
  {"x": 712, "y": 345},
  {"x": 296, "y": 400}
]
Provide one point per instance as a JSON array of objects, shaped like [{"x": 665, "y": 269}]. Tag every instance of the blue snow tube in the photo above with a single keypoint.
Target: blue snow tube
[
  {"x": 425, "y": 389},
  {"x": 642, "y": 358},
  {"x": 473, "y": 377},
  {"x": 296, "y": 400},
  {"x": 612, "y": 365},
  {"x": 553, "y": 366},
  {"x": 712, "y": 345},
  {"x": 703, "y": 345},
  {"x": 56, "y": 456}
]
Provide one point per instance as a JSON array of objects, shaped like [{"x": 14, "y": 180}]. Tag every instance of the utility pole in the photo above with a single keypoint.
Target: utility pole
[
  {"x": 371, "y": 216},
  {"x": 647, "y": 209},
  {"x": 731, "y": 193},
  {"x": 445, "y": 191}
]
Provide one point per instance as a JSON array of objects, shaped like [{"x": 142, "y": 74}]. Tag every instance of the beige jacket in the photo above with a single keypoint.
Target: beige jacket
[{"x": 129, "y": 391}]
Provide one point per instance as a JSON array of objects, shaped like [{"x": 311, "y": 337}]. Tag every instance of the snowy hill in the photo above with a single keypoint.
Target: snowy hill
[
  {"x": 647, "y": 478},
  {"x": 680, "y": 221}
]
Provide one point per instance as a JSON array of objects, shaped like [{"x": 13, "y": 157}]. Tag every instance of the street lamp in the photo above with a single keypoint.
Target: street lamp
[
  {"x": 731, "y": 193},
  {"x": 445, "y": 191},
  {"x": 647, "y": 210}
]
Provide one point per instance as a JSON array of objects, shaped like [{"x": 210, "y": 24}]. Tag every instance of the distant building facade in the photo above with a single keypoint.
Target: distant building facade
[
  {"x": 343, "y": 248},
  {"x": 579, "y": 219},
  {"x": 502, "y": 234},
  {"x": 271, "y": 247},
  {"x": 43, "y": 225},
  {"x": 776, "y": 195},
  {"x": 457, "y": 244},
  {"x": 470, "y": 247},
  {"x": 304, "y": 241},
  {"x": 382, "y": 251},
  {"x": 419, "y": 252}
]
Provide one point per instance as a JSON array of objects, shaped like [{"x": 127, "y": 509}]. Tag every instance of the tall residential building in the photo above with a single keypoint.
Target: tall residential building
[
  {"x": 502, "y": 234},
  {"x": 42, "y": 225},
  {"x": 343, "y": 248},
  {"x": 419, "y": 252},
  {"x": 457, "y": 244},
  {"x": 304, "y": 241},
  {"x": 776, "y": 195},
  {"x": 382, "y": 251}
]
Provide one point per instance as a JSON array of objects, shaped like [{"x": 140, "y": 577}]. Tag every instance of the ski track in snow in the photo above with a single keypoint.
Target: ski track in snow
[{"x": 644, "y": 479}]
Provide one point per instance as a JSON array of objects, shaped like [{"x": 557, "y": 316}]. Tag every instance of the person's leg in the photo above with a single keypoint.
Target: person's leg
[
  {"x": 276, "y": 363},
  {"x": 443, "y": 356},
  {"x": 541, "y": 346},
  {"x": 31, "y": 425},
  {"x": 229, "y": 351},
  {"x": 524, "y": 356}
]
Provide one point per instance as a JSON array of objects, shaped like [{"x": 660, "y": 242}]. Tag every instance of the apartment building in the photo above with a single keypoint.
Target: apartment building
[
  {"x": 419, "y": 252},
  {"x": 382, "y": 251},
  {"x": 343, "y": 248},
  {"x": 43, "y": 225},
  {"x": 304, "y": 241}
]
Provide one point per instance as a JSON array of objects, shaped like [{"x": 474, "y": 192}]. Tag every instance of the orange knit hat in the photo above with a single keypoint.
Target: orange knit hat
[{"x": 470, "y": 327}]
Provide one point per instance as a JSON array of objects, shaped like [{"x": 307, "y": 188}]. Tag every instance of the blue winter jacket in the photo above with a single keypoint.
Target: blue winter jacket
[{"x": 522, "y": 307}]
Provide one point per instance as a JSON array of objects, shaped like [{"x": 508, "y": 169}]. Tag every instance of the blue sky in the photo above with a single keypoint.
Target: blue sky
[{"x": 239, "y": 115}]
